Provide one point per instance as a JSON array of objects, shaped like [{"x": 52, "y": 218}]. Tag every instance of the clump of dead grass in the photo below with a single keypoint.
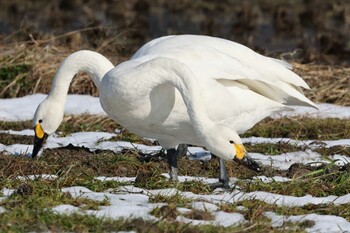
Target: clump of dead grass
[
  {"x": 41, "y": 63},
  {"x": 28, "y": 68},
  {"x": 329, "y": 84},
  {"x": 301, "y": 128}
]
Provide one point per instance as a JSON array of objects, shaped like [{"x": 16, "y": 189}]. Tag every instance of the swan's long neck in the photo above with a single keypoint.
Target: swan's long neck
[
  {"x": 87, "y": 61},
  {"x": 170, "y": 71}
]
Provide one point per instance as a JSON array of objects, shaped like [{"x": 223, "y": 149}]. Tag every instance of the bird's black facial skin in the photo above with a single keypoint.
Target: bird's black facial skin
[
  {"x": 249, "y": 163},
  {"x": 38, "y": 143}
]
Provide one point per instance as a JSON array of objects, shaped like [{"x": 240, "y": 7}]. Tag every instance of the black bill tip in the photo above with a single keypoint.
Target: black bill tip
[
  {"x": 249, "y": 163},
  {"x": 38, "y": 144}
]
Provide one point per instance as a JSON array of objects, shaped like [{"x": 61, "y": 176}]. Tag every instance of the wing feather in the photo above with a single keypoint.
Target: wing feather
[{"x": 220, "y": 59}]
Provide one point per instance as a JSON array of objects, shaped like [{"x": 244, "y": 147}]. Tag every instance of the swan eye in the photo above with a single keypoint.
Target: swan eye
[
  {"x": 232, "y": 142},
  {"x": 40, "y": 121}
]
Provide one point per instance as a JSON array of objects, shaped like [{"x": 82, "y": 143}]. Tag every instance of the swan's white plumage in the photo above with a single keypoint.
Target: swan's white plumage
[
  {"x": 188, "y": 89},
  {"x": 216, "y": 58}
]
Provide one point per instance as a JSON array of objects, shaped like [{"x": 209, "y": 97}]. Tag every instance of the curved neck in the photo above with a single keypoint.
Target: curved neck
[
  {"x": 87, "y": 61},
  {"x": 170, "y": 71}
]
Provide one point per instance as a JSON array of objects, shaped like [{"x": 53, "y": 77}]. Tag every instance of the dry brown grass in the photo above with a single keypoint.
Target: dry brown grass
[
  {"x": 28, "y": 67},
  {"x": 329, "y": 84},
  {"x": 42, "y": 62}
]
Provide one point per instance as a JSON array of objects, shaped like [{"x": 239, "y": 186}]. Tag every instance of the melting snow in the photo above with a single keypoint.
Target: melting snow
[
  {"x": 323, "y": 223},
  {"x": 97, "y": 140},
  {"x": 37, "y": 177},
  {"x": 310, "y": 143},
  {"x": 325, "y": 111},
  {"x": 272, "y": 179},
  {"x": 285, "y": 160},
  {"x": 23, "y": 108},
  {"x": 132, "y": 202}
]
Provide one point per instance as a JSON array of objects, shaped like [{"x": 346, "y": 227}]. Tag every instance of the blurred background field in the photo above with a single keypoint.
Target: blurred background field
[{"x": 35, "y": 36}]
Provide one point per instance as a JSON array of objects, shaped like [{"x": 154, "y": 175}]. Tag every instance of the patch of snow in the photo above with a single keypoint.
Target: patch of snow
[
  {"x": 340, "y": 142},
  {"x": 16, "y": 149},
  {"x": 183, "y": 210},
  {"x": 285, "y": 160},
  {"x": 286, "y": 200},
  {"x": 86, "y": 139},
  {"x": 132, "y": 202},
  {"x": 125, "y": 211},
  {"x": 198, "y": 153},
  {"x": 165, "y": 192},
  {"x": 37, "y": 177},
  {"x": 121, "y": 205},
  {"x": 323, "y": 223},
  {"x": 129, "y": 189},
  {"x": 194, "y": 222},
  {"x": 204, "y": 206},
  {"x": 221, "y": 219},
  {"x": 310, "y": 143},
  {"x": 204, "y": 180},
  {"x": 116, "y": 178},
  {"x": 266, "y": 179},
  {"x": 65, "y": 209},
  {"x": 340, "y": 160},
  {"x": 228, "y": 219},
  {"x": 25, "y": 132},
  {"x": 23, "y": 108},
  {"x": 325, "y": 111},
  {"x": 7, "y": 192},
  {"x": 270, "y": 198}
]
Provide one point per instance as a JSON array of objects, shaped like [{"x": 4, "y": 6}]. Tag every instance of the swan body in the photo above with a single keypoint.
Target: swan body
[{"x": 183, "y": 89}]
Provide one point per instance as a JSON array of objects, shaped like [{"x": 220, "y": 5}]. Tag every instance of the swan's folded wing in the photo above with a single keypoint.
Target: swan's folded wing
[{"x": 220, "y": 59}]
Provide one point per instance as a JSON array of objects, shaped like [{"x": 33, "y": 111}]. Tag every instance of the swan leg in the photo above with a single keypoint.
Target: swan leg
[
  {"x": 223, "y": 174},
  {"x": 223, "y": 178},
  {"x": 172, "y": 161}
]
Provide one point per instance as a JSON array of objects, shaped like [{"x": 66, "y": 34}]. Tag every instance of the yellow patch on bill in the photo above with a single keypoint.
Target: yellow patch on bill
[
  {"x": 39, "y": 132},
  {"x": 240, "y": 151}
]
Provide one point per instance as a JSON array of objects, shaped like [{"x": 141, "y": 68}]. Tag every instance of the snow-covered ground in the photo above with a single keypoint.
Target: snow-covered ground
[
  {"x": 129, "y": 201},
  {"x": 98, "y": 140},
  {"x": 132, "y": 202}
]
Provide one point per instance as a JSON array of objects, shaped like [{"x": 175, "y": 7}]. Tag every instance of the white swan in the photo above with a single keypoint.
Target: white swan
[{"x": 181, "y": 89}]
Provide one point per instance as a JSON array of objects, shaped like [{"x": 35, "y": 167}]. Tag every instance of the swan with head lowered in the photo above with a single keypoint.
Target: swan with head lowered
[{"x": 182, "y": 89}]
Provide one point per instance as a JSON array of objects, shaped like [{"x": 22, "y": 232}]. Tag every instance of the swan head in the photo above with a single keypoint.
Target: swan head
[
  {"x": 47, "y": 118},
  {"x": 225, "y": 143}
]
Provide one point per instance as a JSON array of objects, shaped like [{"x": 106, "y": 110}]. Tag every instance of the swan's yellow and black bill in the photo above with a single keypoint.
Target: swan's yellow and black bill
[
  {"x": 243, "y": 158},
  {"x": 39, "y": 139},
  {"x": 240, "y": 151}
]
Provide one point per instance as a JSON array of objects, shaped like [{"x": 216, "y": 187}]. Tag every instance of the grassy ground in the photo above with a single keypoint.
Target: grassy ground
[{"x": 28, "y": 209}]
